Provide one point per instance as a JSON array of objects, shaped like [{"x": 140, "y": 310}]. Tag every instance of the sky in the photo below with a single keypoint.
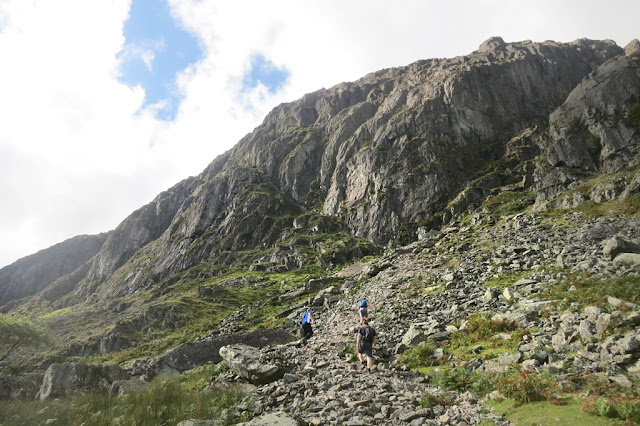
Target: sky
[{"x": 104, "y": 104}]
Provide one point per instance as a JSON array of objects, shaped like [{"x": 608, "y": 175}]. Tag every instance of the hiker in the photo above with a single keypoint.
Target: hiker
[
  {"x": 366, "y": 343},
  {"x": 363, "y": 310},
  {"x": 307, "y": 320}
]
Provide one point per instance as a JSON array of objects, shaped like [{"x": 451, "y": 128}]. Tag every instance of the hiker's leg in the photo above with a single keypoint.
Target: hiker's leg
[
  {"x": 306, "y": 330},
  {"x": 369, "y": 361}
]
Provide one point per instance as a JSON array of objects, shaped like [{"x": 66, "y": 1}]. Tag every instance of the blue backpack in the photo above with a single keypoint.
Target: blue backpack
[
  {"x": 363, "y": 303},
  {"x": 305, "y": 317}
]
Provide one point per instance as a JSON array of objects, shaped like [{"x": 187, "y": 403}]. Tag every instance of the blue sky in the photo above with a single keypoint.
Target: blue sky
[
  {"x": 265, "y": 72},
  {"x": 157, "y": 48}
]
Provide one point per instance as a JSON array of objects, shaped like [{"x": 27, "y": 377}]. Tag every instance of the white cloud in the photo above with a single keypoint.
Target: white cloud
[
  {"x": 76, "y": 154},
  {"x": 145, "y": 53}
]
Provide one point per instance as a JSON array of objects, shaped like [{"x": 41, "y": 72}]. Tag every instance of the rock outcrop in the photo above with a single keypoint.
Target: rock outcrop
[
  {"x": 244, "y": 360},
  {"x": 77, "y": 378},
  {"x": 190, "y": 355},
  {"x": 23, "y": 387},
  {"x": 595, "y": 129}
]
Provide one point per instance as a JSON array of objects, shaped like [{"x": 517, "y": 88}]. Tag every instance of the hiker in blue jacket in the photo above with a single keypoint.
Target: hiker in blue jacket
[
  {"x": 307, "y": 320},
  {"x": 363, "y": 310}
]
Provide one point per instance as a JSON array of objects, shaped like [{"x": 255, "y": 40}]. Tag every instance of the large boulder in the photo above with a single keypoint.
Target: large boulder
[
  {"x": 616, "y": 245},
  {"x": 245, "y": 361},
  {"x": 628, "y": 258},
  {"x": 414, "y": 336},
  {"x": 191, "y": 355},
  {"x": 77, "y": 378}
]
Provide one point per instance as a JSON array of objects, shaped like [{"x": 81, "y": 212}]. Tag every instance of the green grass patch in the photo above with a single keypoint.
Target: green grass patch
[
  {"x": 509, "y": 202},
  {"x": 505, "y": 279},
  {"x": 421, "y": 285},
  {"x": 525, "y": 387},
  {"x": 628, "y": 207},
  {"x": 58, "y": 312},
  {"x": 480, "y": 331},
  {"x": 593, "y": 144},
  {"x": 420, "y": 355},
  {"x": 594, "y": 290},
  {"x": 570, "y": 413},
  {"x": 625, "y": 408},
  {"x": 167, "y": 401},
  {"x": 462, "y": 380},
  {"x": 463, "y": 344}
]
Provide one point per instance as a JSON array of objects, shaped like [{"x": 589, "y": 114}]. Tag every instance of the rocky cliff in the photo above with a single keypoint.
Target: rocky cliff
[
  {"x": 34, "y": 273},
  {"x": 334, "y": 176}
]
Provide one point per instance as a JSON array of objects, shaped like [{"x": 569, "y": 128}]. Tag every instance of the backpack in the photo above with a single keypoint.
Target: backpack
[
  {"x": 305, "y": 317},
  {"x": 367, "y": 333},
  {"x": 363, "y": 303}
]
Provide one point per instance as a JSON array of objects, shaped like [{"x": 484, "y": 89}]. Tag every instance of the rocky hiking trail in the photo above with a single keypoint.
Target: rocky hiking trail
[
  {"x": 327, "y": 385},
  {"x": 426, "y": 291}
]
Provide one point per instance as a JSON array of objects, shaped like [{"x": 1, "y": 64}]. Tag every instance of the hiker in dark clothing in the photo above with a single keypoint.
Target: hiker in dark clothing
[
  {"x": 307, "y": 320},
  {"x": 366, "y": 343}
]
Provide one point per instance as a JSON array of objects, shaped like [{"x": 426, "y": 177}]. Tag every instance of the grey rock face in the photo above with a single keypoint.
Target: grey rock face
[
  {"x": 245, "y": 361},
  {"x": 73, "y": 378},
  {"x": 24, "y": 387},
  {"x": 30, "y": 275},
  {"x": 591, "y": 131}
]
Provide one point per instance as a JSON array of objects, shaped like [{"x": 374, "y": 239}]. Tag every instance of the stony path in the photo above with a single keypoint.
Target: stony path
[{"x": 327, "y": 385}]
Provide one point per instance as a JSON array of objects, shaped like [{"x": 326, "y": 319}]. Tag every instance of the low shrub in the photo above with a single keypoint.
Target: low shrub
[
  {"x": 624, "y": 408},
  {"x": 482, "y": 327},
  {"x": 431, "y": 400},
  {"x": 420, "y": 355},
  {"x": 525, "y": 387},
  {"x": 462, "y": 380},
  {"x": 168, "y": 401}
]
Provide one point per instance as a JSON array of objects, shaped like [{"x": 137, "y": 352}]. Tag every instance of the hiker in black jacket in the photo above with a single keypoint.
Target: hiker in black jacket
[{"x": 366, "y": 343}]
